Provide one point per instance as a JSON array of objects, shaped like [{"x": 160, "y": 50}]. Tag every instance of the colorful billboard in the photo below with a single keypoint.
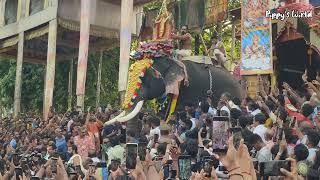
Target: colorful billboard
[{"x": 256, "y": 38}]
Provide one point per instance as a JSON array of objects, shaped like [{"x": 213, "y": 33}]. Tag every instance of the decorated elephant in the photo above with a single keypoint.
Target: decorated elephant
[{"x": 155, "y": 77}]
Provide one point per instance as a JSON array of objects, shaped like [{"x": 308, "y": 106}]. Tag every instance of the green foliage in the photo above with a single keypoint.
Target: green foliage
[{"x": 33, "y": 83}]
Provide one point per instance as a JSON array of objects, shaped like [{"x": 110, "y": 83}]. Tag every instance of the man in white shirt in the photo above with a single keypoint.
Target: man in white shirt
[
  {"x": 313, "y": 139},
  {"x": 259, "y": 120},
  {"x": 264, "y": 153}
]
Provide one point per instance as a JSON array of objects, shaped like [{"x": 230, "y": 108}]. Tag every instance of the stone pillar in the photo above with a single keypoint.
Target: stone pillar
[
  {"x": 99, "y": 80},
  {"x": 83, "y": 52},
  {"x": 17, "y": 89},
  {"x": 50, "y": 68},
  {"x": 2, "y": 12},
  {"x": 70, "y": 85},
  {"x": 125, "y": 42}
]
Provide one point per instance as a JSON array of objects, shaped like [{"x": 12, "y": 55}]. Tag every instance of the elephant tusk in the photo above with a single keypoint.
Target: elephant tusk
[
  {"x": 133, "y": 113},
  {"x": 115, "y": 119}
]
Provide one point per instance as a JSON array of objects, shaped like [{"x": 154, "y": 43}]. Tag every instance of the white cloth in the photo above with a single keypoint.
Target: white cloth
[
  {"x": 273, "y": 117},
  {"x": 95, "y": 160},
  {"x": 193, "y": 120},
  {"x": 233, "y": 106},
  {"x": 264, "y": 154},
  {"x": 155, "y": 131},
  {"x": 312, "y": 155},
  {"x": 261, "y": 131},
  {"x": 212, "y": 111},
  {"x": 255, "y": 112},
  {"x": 225, "y": 108},
  {"x": 69, "y": 125},
  {"x": 184, "y": 52}
]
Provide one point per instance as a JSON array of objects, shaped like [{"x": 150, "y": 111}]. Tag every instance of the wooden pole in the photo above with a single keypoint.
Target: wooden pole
[
  {"x": 83, "y": 51},
  {"x": 70, "y": 83},
  {"x": 125, "y": 42},
  {"x": 99, "y": 80},
  {"x": 233, "y": 43},
  {"x": 17, "y": 89},
  {"x": 204, "y": 45},
  {"x": 50, "y": 68}
]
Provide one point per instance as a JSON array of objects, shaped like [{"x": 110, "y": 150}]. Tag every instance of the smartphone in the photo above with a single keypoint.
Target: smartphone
[
  {"x": 222, "y": 169},
  {"x": 272, "y": 168},
  {"x": 104, "y": 164},
  {"x": 204, "y": 131},
  {"x": 166, "y": 170},
  {"x": 156, "y": 138},
  {"x": 255, "y": 164},
  {"x": 92, "y": 169},
  {"x": 142, "y": 147},
  {"x": 237, "y": 136},
  {"x": 184, "y": 163},
  {"x": 173, "y": 174},
  {"x": 207, "y": 165},
  {"x": 16, "y": 159},
  {"x": 220, "y": 133},
  {"x": 35, "y": 178},
  {"x": 280, "y": 134},
  {"x": 54, "y": 163},
  {"x": 19, "y": 172},
  {"x": 131, "y": 155}
]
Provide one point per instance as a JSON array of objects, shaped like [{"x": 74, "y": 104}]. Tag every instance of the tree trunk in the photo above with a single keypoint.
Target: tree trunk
[
  {"x": 197, "y": 44},
  {"x": 99, "y": 80}
]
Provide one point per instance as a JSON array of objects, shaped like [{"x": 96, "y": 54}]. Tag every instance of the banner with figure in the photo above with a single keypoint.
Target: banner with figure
[{"x": 256, "y": 45}]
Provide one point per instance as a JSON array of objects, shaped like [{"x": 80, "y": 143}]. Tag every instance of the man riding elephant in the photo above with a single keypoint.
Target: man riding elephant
[{"x": 185, "y": 42}]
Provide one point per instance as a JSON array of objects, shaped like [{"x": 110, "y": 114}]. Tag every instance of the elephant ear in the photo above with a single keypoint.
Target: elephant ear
[{"x": 174, "y": 75}]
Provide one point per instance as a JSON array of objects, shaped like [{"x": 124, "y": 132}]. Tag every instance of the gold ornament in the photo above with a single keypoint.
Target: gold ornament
[{"x": 134, "y": 79}]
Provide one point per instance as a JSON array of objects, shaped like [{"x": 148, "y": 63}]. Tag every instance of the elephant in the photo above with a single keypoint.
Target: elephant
[{"x": 164, "y": 72}]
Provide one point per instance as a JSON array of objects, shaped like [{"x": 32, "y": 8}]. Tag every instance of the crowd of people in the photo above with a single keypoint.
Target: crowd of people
[{"x": 275, "y": 136}]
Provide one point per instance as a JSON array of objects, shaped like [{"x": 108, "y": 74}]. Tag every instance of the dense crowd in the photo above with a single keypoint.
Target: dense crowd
[{"x": 274, "y": 136}]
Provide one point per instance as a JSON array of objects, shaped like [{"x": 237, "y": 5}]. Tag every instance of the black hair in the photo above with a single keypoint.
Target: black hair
[
  {"x": 161, "y": 149},
  {"x": 313, "y": 137},
  {"x": 301, "y": 152},
  {"x": 307, "y": 110},
  {"x": 114, "y": 141},
  {"x": 154, "y": 120},
  {"x": 236, "y": 101},
  {"x": 182, "y": 116},
  {"x": 193, "y": 134},
  {"x": 282, "y": 113},
  {"x": 204, "y": 106},
  {"x": 254, "y": 139},
  {"x": 188, "y": 124},
  {"x": 243, "y": 121},
  {"x": 192, "y": 148},
  {"x": 74, "y": 148},
  {"x": 281, "y": 100},
  {"x": 261, "y": 118},
  {"x": 53, "y": 145},
  {"x": 235, "y": 113},
  {"x": 270, "y": 105}
]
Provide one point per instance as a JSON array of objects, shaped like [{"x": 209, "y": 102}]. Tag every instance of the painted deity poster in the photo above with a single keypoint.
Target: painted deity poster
[{"x": 256, "y": 45}]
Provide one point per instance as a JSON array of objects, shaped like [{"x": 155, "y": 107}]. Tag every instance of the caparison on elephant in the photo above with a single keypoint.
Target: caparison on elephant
[{"x": 163, "y": 73}]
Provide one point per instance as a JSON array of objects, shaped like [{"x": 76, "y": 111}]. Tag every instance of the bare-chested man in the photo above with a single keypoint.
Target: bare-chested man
[{"x": 185, "y": 42}]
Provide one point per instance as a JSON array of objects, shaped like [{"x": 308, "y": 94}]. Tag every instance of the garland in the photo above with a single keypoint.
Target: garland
[{"x": 136, "y": 73}]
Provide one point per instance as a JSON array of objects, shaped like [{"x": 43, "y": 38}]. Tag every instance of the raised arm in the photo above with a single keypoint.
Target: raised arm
[{"x": 181, "y": 37}]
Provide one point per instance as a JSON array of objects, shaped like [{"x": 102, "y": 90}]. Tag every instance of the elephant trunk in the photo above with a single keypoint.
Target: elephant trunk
[{"x": 122, "y": 117}]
